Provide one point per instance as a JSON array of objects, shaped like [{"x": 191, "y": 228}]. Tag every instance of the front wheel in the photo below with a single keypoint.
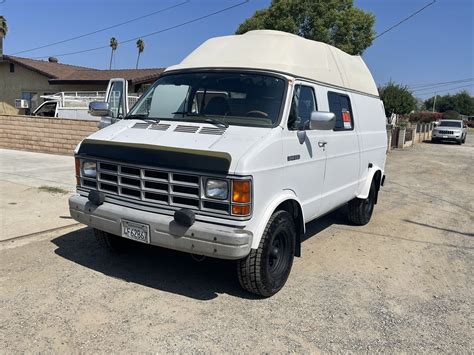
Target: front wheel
[
  {"x": 360, "y": 209},
  {"x": 265, "y": 270}
]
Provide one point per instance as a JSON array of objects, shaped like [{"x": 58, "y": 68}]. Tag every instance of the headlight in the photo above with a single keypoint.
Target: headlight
[
  {"x": 218, "y": 189},
  {"x": 89, "y": 168}
]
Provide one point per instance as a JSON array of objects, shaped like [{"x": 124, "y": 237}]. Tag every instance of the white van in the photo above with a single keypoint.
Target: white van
[{"x": 230, "y": 153}]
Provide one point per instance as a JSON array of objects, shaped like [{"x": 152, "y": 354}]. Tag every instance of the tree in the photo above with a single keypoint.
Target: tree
[
  {"x": 113, "y": 44},
  {"x": 397, "y": 99},
  {"x": 3, "y": 32},
  {"x": 461, "y": 102},
  {"x": 336, "y": 22},
  {"x": 141, "y": 48}
]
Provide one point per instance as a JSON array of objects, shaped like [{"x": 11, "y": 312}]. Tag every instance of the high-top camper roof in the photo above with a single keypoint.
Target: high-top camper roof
[{"x": 286, "y": 53}]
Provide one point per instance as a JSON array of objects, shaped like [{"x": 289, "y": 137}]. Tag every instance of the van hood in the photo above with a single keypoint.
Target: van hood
[{"x": 176, "y": 145}]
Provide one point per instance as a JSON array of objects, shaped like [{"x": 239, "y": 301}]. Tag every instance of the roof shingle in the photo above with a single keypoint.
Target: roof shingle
[{"x": 66, "y": 73}]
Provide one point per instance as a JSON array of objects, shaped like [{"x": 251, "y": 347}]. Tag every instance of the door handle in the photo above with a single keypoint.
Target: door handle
[{"x": 322, "y": 144}]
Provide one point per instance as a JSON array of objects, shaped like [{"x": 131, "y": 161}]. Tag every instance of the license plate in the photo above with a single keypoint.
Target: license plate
[
  {"x": 136, "y": 231},
  {"x": 445, "y": 136}
]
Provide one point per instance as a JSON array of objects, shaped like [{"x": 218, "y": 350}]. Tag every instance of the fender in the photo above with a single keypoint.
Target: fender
[
  {"x": 365, "y": 185},
  {"x": 275, "y": 202}
]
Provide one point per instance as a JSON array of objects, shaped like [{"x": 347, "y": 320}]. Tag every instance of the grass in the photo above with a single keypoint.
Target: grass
[{"x": 52, "y": 190}]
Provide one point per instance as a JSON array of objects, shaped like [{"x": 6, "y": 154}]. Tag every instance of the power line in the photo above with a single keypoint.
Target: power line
[
  {"x": 441, "y": 86},
  {"x": 405, "y": 19},
  {"x": 443, "y": 82},
  {"x": 104, "y": 29},
  {"x": 438, "y": 91},
  {"x": 152, "y": 33},
  {"x": 417, "y": 87}
]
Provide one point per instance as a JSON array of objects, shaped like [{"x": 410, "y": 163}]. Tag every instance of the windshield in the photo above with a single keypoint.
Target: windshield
[
  {"x": 449, "y": 124},
  {"x": 219, "y": 98}
]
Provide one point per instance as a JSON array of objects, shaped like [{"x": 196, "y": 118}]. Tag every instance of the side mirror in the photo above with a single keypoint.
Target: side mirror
[
  {"x": 323, "y": 121},
  {"x": 99, "y": 109}
]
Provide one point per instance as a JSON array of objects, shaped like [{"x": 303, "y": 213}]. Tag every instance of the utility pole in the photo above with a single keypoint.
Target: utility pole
[{"x": 434, "y": 102}]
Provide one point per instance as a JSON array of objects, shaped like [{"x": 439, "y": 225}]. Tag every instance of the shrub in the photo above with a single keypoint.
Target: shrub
[
  {"x": 425, "y": 116},
  {"x": 450, "y": 115}
]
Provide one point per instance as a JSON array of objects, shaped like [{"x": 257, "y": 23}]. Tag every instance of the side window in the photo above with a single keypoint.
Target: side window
[
  {"x": 303, "y": 104},
  {"x": 340, "y": 105}
]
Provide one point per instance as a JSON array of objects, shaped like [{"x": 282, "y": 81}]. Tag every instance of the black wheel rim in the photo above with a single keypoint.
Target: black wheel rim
[{"x": 278, "y": 255}]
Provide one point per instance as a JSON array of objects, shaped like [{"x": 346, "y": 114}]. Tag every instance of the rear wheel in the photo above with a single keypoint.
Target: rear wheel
[
  {"x": 112, "y": 242},
  {"x": 265, "y": 270},
  {"x": 360, "y": 209}
]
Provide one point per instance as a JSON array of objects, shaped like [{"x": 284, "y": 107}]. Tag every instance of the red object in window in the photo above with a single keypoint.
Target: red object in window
[{"x": 346, "y": 116}]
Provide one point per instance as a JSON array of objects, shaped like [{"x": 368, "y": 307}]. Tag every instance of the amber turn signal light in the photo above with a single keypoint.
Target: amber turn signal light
[
  {"x": 241, "y": 191},
  {"x": 240, "y": 210}
]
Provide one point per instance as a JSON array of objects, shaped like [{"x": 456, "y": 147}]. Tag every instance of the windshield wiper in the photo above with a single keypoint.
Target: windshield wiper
[
  {"x": 142, "y": 117},
  {"x": 216, "y": 121},
  {"x": 206, "y": 118}
]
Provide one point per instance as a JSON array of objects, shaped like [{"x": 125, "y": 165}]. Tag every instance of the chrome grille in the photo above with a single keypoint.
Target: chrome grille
[
  {"x": 446, "y": 132},
  {"x": 155, "y": 186}
]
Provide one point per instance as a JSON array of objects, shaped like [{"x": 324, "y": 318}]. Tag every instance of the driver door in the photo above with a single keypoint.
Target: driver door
[{"x": 305, "y": 156}]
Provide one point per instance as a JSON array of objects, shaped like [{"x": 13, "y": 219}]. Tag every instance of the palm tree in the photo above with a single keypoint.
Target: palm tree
[
  {"x": 141, "y": 48},
  {"x": 113, "y": 44},
  {"x": 3, "y": 32}
]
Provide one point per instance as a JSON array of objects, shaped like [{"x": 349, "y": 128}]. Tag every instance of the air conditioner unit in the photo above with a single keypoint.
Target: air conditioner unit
[{"x": 20, "y": 103}]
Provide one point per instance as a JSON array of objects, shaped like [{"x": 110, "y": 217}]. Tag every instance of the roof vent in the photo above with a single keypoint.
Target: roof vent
[
  {"x": 52, "y": 59},
  {"x": 186, "y": 129},
  {"x": 212, "y": 130}
]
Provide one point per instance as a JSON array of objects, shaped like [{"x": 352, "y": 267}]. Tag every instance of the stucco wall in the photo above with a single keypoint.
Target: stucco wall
[
  {"x": 12, "y": 85},
  {"x": 47, "y": 135}
]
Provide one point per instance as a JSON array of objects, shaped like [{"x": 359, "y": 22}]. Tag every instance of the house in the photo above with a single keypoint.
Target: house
[{"x": 28, "y": 79}]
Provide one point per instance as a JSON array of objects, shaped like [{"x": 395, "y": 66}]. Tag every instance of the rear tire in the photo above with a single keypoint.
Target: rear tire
[
  {"x": 265, "y": 270},
  {"x": 112, "y": 242},
  {"x": 361, "y": 209}
]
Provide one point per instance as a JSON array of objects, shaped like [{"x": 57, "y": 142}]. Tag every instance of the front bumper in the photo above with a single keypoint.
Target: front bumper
[
  {"x": 447, "y": 137},
  {"x": 201, "y": 238}
]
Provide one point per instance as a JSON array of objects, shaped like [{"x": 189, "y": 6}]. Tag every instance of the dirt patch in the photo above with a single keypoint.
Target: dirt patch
[{"x": 402, "y": 283}]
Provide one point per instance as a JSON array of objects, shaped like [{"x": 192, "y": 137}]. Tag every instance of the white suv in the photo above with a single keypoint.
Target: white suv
[
  {"x": 230, "y": 153},
  {"x": 450, "y": 130}
]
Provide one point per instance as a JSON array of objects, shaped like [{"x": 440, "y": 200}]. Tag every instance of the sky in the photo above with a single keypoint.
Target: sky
[{"x": 437, "y": 45}]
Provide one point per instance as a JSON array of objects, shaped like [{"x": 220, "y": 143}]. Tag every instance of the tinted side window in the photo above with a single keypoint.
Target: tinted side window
[
  {"x": 304, "y": 103},
  {"x": 340, "y": 105}
]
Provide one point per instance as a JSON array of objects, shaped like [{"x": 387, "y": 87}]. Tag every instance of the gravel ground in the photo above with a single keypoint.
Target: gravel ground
[{"x": 403, "y": 283}]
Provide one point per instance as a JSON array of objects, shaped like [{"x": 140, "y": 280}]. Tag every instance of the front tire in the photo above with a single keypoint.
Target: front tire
[
  {"x": 361, "y": 209},
  {"x": 265, "y": 270}
]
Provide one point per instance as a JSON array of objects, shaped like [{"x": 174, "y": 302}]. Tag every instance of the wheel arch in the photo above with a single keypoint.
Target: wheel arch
[
  {"x": 287, "y": 202},
  {"x": 375, "y": 174}
]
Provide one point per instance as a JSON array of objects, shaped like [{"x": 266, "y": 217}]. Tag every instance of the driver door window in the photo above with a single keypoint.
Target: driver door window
[{"x": 304, "y": 103}]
